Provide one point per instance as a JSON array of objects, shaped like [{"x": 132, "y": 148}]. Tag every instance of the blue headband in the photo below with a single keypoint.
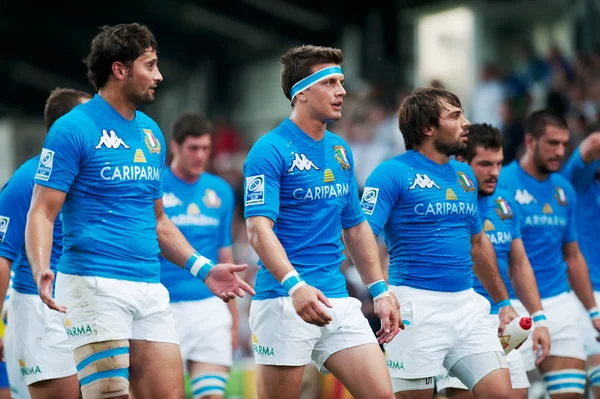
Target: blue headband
[{"x": 314, "y": 78}]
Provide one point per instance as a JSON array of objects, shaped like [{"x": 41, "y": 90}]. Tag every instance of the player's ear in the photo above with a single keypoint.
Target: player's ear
[
  {"x": 529, "y": 140},
  {"x": 120, "y": 70},
  {"x": 428, "y": 131},
  {"x": 460, "y": 158}
]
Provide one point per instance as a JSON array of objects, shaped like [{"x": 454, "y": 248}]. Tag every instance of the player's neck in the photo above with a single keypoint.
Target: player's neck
[
  {"x": 116, "y": 100},
  {"x": 315, "y": 129},
  {"x": 528, "y": 165},
  {"x": 181, "y": 175},
  {"x": 427, "y": 150}
]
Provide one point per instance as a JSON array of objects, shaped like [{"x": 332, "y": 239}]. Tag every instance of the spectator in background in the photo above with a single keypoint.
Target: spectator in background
[
  {"x": 512, "y": 131},
  {"x": 488, "y": 98}
]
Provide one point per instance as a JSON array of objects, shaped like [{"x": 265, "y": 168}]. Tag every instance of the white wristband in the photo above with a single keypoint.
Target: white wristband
[
  {"x": 539, "y": 319},
  {"x": 594, "y": 313}
]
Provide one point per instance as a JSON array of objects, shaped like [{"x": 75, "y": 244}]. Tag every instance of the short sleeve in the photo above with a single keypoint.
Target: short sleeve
[
  {"x": 382, "y": 191},
  {"x": 262, "y": 177},
  {"x": 61, "y": 156},
  {"x": 352, "y": 214},
  {"x": 15, "y": 199}
]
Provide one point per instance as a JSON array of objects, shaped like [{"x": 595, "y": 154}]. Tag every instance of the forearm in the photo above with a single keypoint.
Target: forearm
[
  {"x": 270, "y": 251},
  {"x": 38, "y": 241},
  {"x": 173, "y": 245},
  {"x": 525, "y": 286},
  {"x": 5, "y": 265},
  {"x": 235, "y": 316},
  {"x": 485, "y": 268},
  {"x": 363, "y": 250},
  {"x": 579, "y": 279}
]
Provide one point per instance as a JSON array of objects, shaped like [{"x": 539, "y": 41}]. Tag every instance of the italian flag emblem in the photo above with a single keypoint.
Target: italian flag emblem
[{"x": 151, "y": 142}]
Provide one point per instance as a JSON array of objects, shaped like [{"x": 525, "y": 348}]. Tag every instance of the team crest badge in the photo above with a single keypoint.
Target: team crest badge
[
  {"x": 341, "y": 156},
  {"x": 502, "y": 209},
  {"x": 560, "y": 196},
  {"x": 465, "y": 182},
  {"x": 211, "y": 199},
  {"x": 151, "y": 142}
]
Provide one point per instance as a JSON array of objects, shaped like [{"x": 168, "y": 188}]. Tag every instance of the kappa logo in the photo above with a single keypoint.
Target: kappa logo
[
  {"x": 302, "y": 163},
  {"x": 524, "y": 198},
  {"x": 423, "y": 181},
  {"x": 110, "y": 140}
]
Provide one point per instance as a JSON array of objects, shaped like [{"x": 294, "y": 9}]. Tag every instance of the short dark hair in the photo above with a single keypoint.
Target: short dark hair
[
  {"x": 191, "y": 124},
  {"x": 61, "y": 101},
  {"x": 124, "y": 43},
  {"x": 481, "y": 135},
  {"x": 420, "y": 111},
  {"x": 297, "y": 62},
  {"x": 536, "y": 123}
]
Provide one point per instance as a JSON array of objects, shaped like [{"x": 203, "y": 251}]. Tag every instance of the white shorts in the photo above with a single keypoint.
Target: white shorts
[
  {"x": 36, "y": 345},
  {"x": 104, "y": 309},
  {"x": 204, "y": 331},
  {"x": 281, "y": 338},
  {"x": 566, "y": 339},
  {"x": 592, "y": 346},
  {"x": 441, "y": 328},
  {"x": 518, "y": 374}
]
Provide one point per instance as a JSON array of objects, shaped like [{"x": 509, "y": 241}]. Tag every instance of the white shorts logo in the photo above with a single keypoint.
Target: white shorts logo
[
  {"x": 255, "y": 190},
  {"x": 369, "y": 200},
  {"x": 4, "y": 221},
  {"x": 45, "y": 165}
]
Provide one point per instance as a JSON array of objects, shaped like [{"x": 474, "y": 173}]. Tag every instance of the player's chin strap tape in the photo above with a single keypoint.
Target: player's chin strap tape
[
  {"x": 103, "y": 369},
  {"x": 565, "y": 381},
  {"x": 209, "y": 383}
]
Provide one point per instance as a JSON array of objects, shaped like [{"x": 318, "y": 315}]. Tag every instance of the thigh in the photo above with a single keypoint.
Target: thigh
[
  {"x": 49, "y": 348},
  {"x": 279, "y": 336},
  {"x": 97, "y": 310},
  {"x": 518, "y": 373},
  {"x": 484, "y": 373},
  {"x": 57, "y": 388},
  {"x": 156, "y": 370},
  {"x": 278, "y": 382},
  {"x": 481, "y": 338},
  {"x": 204, "y": 339},
  {"x": 153, "y": 317},
  {"x": 362, "y": 369},
  {"x": 348, "y": 329},
  {"x": 419, "y": 350}
]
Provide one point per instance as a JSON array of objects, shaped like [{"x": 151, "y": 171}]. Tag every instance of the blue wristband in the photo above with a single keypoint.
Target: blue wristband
[
  {"x": 292, "y": 281},
  {"x": 594, "y": 313},
  {"x": 378, "y": 289},
  {"x": 199, "y": 266},
  {"x": 503, "y": 303}
]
